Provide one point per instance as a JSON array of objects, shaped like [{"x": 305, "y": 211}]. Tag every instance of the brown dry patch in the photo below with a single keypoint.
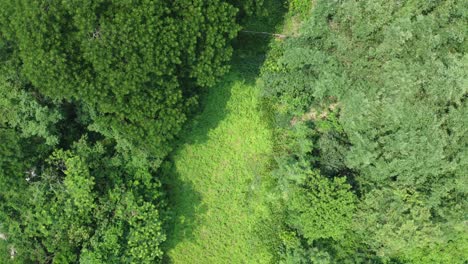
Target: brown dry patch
[
  {"x": 314, "y": 114},
  {"x": 294, "y": 121},
  {"x": 333, "y": 25},
  {"x": 323, "y": 115},
  {"x": 311, "y": 115},
  {"x": 333, "y": 106}
]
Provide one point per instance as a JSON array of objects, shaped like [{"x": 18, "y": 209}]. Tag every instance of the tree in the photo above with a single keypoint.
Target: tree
[
  {"x": 93, "y": 93},
  {"x": 85, "y": 205},
  {"x": 321, "y": 208},
  {"x": 395, "y": 73},
  {"x": 135, "y": 67}
]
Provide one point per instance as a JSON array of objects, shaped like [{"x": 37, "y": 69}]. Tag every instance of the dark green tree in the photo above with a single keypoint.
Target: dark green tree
[
  {"x": 92, "y": 93},
  {"x": 134, "y": 66}
]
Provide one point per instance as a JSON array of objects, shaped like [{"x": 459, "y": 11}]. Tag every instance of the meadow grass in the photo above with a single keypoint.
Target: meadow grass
[{"x": 218, "y": 191}]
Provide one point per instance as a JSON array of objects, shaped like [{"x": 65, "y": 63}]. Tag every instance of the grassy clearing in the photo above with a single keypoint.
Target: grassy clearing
[
  {"x": 219, "y": 179},
  {"x": 218, "y": 193}
]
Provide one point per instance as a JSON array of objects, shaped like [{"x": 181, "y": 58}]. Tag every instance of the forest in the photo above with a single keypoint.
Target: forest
[{"x": 234, "y": 131}]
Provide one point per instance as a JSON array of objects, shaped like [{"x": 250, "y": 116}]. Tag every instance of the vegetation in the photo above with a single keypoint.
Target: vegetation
[
  {"x": 122, "y": 68},
  {"x": 93, "y": 94},
  {"x": 371, "y": 112},
  {"x": 217, "y": 180},
  {"x": 211, "y": 131}
]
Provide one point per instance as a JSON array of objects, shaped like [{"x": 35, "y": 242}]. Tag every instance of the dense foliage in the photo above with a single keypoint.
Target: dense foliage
[
  {"x": 368, "y": 101},
  {"x": 92, "y": 93},
  {"x": 372, "y": 114},
  {"x": 131, "y": 67}
]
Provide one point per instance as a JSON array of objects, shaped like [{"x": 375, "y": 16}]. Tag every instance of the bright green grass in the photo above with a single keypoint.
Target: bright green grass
[{"x": 218, "y": 180}]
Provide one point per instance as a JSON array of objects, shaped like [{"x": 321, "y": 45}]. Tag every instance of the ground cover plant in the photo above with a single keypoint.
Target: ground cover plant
[{"x": 217, "y": 180}]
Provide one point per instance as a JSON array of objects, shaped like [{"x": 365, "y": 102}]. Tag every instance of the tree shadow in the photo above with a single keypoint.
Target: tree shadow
[
  {"x": 184, "y": 208},
  {"x": 249, "y": 54},
  {"x": 212, "y": 110},
  {"x": 252, "y": 44}
]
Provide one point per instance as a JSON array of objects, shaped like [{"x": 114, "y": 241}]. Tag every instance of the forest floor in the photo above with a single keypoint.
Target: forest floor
[{"x": 219, "y": 178}]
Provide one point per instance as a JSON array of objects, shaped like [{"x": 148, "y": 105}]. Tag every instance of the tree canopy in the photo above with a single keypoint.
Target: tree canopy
[
  {"x": 379, "y": 89},
  {"x": 92, "y": 96}
]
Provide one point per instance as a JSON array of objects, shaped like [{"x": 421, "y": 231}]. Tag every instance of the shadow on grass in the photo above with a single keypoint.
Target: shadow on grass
[
  {"x": 183, "y": 220},
  {"x": 213, "y": 109},
  {"x": 249, "y": 55},
  {"x": 250, "y": 48}
]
